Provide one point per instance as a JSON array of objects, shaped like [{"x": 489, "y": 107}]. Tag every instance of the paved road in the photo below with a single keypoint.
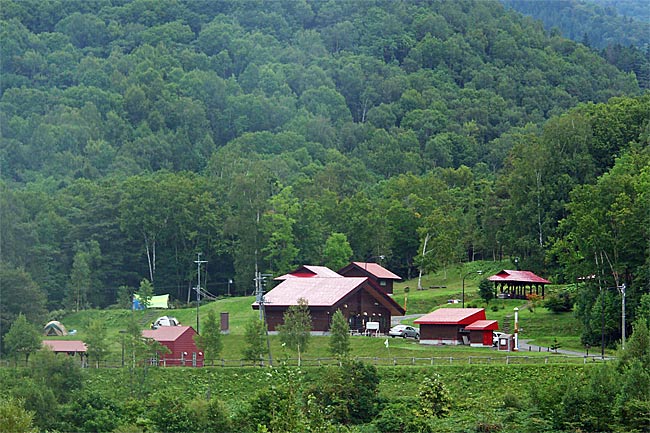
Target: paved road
[
  {"x": 525, "y": 347},
  {"x": 396, "y": 320}
]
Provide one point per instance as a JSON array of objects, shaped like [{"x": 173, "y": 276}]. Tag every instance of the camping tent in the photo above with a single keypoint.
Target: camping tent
[
  {"x": 160, "y": 301},
  {"x": 165, "y": 321},
  {"x": 54, "y": 328}
]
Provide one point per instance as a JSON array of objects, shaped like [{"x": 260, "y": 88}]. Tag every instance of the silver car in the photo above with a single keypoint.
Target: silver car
[{"x": 404, "y": 331}]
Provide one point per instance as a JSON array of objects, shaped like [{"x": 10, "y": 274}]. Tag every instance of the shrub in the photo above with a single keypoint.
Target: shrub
[
  {"x": 559, "y": 302},
  {"x": 14, "y": 417},
  {"x": 434, "y": 398}
]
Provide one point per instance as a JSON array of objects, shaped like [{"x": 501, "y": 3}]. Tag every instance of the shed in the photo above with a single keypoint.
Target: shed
[
  {"x": 481, "y": 333},
  {"x": 359, "y": 301},
  {"x": 514, "y": 284},
  {"x": 180, "y": 341},
  {"x": 447, "y": 325},
  {"x": 381, "y": 278}
]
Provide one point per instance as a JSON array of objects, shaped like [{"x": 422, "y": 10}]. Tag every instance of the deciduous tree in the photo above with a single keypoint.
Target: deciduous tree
[
  {"x": 296, "y": 329},
  {"x": 22, "y": 338},
  {"x": 339, "y": 344}
]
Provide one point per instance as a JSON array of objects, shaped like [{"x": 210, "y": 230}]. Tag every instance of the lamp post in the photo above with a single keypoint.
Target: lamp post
[{"x": 464, "y": 276}]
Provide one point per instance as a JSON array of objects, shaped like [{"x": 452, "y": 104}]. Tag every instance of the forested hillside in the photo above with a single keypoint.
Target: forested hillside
[
  {"x": 136, "y": 134},
  {"x": 619, "y": 30}
]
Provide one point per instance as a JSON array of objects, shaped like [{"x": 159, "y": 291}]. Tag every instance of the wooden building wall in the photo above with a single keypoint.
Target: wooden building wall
[{"x": 359, "y": 308}]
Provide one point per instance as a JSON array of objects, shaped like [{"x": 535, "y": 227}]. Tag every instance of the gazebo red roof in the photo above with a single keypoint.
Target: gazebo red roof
[
  {"x": 65, "y": 345},
  {"x": 518, "y": 277}
]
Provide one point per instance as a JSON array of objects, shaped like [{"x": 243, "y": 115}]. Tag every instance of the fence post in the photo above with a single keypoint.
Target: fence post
[{"x": 469, "y": 359}]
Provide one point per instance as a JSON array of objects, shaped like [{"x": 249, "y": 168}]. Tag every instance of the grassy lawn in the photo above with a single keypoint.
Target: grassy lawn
[{"x": 539, "y": 326}]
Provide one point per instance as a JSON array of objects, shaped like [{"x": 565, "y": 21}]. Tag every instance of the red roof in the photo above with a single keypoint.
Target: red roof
[
  {"x": 518, "y": 276},
  {"x": 450, "y": 316},
  {"x": 65, "y": 345},
  {"x": 483, "y": 325},
  {"x": 166, "y": 333},
  {"x": 324, "y": 292},
  {"x": 318, "y": 292},
  {"x": 377, "y": 270},
  {"x": 309, "y": 271}
]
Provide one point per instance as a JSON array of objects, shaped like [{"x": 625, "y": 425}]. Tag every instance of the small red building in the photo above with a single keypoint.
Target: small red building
[
  {"x": 449, "y": 326},
  {"x": 480, "y": 333},
  {"x": 180, "y": 341},
  {"x": 514, "y": 284},
  {"x": 381, "y": 278}
]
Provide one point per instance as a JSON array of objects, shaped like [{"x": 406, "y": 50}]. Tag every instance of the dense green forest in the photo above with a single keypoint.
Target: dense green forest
[
  {"x": 136, "y": 134},
  {"x": 619, "y": 30}
]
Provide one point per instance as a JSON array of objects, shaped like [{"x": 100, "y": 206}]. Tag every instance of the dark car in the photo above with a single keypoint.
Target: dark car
[{"x": 404, "y": 331}]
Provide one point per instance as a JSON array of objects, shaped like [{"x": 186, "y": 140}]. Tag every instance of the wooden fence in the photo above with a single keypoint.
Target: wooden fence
[{"x": 377, "y": 361}]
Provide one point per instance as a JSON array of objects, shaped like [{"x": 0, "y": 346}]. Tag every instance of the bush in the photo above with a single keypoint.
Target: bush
[
  {"x": 560, "y": 302},
  {"x": 435, "y": 400},
  {"x": 14, "y": 417},
  {"x": 91, "y": 412}
]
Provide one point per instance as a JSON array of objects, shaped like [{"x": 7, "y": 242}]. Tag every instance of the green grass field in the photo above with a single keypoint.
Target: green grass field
[{"x": 540, "y": 326}]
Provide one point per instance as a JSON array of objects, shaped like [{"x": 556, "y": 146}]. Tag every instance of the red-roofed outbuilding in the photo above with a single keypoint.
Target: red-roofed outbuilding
[
  {"x": 514, "y": 284},
  {"x": 381, "y": 278},
  {"x": 481, "y": 332},
  {"x": 453, "y": 326},
  {"x": 69, "y": 347},
  {"x": 180, "y": 341}
]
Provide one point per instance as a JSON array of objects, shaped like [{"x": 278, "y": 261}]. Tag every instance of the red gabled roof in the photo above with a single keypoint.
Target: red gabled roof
[
  {"x": 323, "y": 292},
  {"x": 483, "y": 325},
  {"x": 518, "y": 277},
  {"x": 166, "y": 333},
  {"x": 309, "y": 271},
  {"x": 451, "y": 316},
  {"x": 65, "y": 345},
  {"x": 375, "y": 269},
  {"x": 317, "y": 291}
]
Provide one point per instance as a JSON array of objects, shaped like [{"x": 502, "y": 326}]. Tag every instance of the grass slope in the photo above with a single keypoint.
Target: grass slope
[{"x": 539, "y": 325}]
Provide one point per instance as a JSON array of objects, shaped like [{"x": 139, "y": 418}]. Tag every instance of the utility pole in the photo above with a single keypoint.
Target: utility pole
[
  {"x": 198, "y": 262},
  {"x": 259, "y": 297}
]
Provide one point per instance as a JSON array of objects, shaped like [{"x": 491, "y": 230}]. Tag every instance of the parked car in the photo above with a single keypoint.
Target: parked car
[
  {"x": 495, "y": 337},
  {"x": 404, "y": 331}
]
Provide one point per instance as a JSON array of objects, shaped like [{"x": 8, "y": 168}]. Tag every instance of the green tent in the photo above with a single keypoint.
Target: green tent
[
  {"x": 159, "y": 301},
  {"x": 54, "y": 328}
]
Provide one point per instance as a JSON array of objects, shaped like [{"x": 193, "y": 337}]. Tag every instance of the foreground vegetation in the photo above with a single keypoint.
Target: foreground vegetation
[{"x": 355, "y": 397}]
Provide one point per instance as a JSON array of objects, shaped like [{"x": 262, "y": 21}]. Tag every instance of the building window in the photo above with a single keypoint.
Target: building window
[{"x": 382, "y": 283}]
